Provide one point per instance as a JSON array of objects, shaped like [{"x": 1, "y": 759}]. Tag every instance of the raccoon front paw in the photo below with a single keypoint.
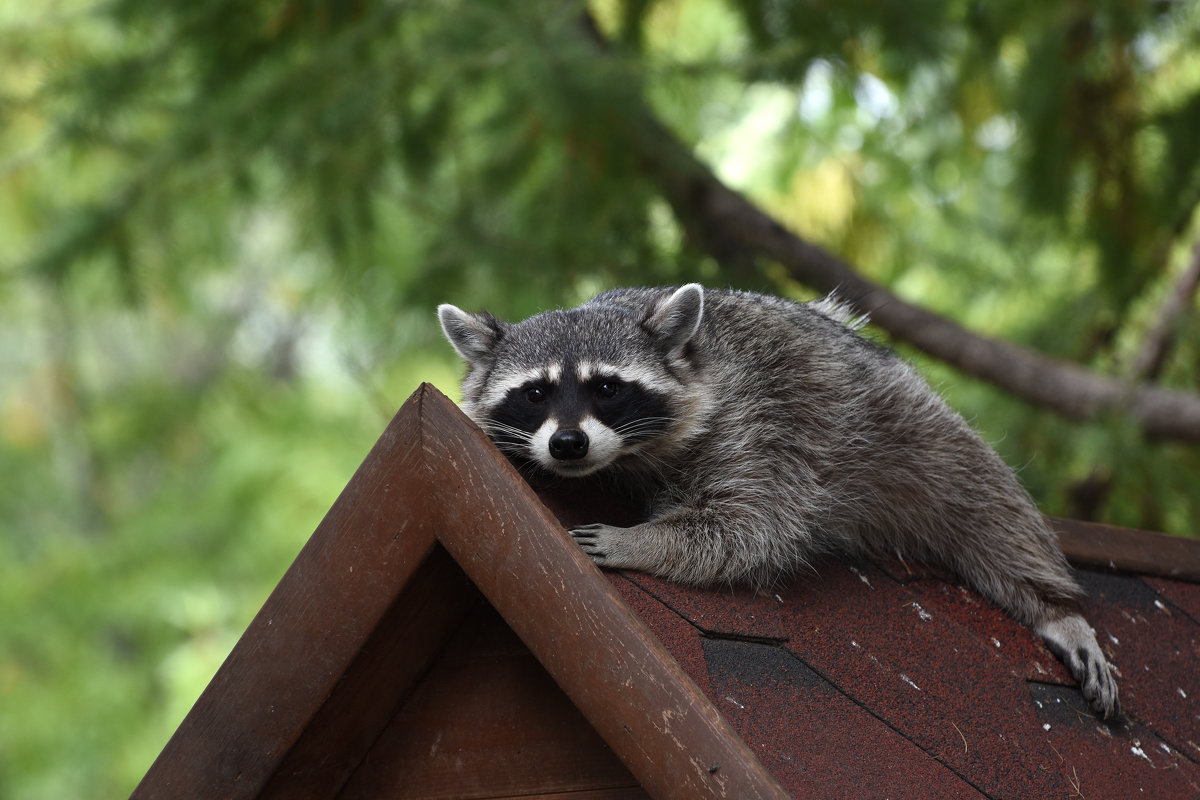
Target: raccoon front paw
[
  {"x": 601, "y": 542},
  {"x": 1071, "y": 639}
]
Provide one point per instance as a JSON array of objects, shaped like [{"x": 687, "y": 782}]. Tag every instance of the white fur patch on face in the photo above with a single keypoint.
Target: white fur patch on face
[
  {"x": 497, "y": 391},
  {"x": 539, "y": 444},
  {"x": 604, "y": 445},
  {"x": 650, "y": 379}
]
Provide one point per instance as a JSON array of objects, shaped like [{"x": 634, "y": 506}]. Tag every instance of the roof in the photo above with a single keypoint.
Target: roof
[
  {"x": 862, "y": 681},
  {"x": 440, "y": 636}
]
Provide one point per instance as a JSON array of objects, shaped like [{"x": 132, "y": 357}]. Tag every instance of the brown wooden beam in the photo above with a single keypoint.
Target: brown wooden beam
[
  {"x": 376, "y": 685},
  {"x": 371, "y": 598},
  {"x": 597, "y": 649},
  {"x": 309, "y": 632},
  {"x": 1090, "y": 544}
]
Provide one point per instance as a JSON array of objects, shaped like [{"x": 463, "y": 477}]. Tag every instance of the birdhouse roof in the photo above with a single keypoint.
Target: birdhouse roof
[{"x": 440, "y": 636}]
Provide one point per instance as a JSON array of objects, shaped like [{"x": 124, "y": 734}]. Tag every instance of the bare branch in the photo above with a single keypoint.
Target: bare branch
[
  {"x": 735, "y": 231},
  {"x": 1157, "y": 345}
]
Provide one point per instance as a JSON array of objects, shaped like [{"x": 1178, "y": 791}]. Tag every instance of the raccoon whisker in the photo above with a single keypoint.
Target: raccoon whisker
[
  {"x": 507, "y": 442},
  {"x": 642, "y": 421},
  {"x": 495, "y": 423},
  {"x": 653, "y": 419},
  {"x": 650, "y": 466},
  {"x": 642, "y": 425},
  {"x": 527, "y": 469},
  {"x": 495, "y": 428}
]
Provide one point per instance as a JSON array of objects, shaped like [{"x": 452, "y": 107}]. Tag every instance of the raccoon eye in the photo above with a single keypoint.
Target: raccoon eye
[
  {"x": 608, "y": 389},
  {"x": 535, "y": 394}
]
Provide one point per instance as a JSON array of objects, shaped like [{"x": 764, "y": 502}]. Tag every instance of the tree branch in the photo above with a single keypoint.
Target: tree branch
[
  {"x": 1152, "y": 355},
  {"x": 735, "y": 231}
]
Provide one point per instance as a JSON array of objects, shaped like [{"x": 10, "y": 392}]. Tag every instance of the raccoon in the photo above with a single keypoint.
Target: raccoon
[{"x": 757, "y": 433}]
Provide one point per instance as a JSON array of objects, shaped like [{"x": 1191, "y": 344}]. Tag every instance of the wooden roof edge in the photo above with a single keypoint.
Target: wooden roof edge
[
  {"x": 432, "y": 476},
  {"x": 598, "y": 650},
  {"x": 307, "y": 633},
  {"x": 1107, "y": 547}
]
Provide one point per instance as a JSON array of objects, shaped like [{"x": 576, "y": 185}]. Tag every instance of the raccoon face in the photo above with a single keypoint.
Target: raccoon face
[
  {"x": 574, "y": 419},
  {"x": 574, "y": 392}
]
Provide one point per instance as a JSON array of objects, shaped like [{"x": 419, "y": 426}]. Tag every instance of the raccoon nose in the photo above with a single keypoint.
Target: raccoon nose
[{"x": 570, "y": 444}]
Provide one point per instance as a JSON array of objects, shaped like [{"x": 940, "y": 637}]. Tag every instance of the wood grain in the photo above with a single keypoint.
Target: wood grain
[
  {"x": 487, "y": 722},
  {"x": 1105, "y": 547},
  {"x": 354, "y": 631},
  {"x": 602, "y": 655},
  {"x": 309, "y": 632}
]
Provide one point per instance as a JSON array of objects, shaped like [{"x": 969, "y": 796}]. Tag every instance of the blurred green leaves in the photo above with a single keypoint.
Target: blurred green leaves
[{"x": 224, "y": 226}]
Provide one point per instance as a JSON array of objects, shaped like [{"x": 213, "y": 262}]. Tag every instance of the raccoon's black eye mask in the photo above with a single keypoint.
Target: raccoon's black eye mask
[{"x": 609, "y": 389}]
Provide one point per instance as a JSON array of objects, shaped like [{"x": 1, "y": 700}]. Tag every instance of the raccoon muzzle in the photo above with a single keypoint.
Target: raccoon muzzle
[{"x": 569, "y": 444}]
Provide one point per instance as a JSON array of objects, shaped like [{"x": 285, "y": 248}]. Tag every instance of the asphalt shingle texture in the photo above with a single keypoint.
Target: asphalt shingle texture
[{"x": 860, "y": 680}]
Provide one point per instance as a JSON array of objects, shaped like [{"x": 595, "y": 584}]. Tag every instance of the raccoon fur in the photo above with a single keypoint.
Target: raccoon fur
[{"x": 757, "y": 433}]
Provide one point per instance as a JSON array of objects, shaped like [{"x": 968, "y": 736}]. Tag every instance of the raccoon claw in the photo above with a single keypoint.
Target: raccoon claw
[
  {"x": 591, "y": 539},
  {"x": 1095, "y": 681},
  {"x": 1071, "y": 639}
]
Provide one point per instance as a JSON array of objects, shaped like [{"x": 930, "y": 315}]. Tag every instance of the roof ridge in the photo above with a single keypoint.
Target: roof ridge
[
  {"x": 301, "y": 699},
  {"x": 662, "y": 726}
]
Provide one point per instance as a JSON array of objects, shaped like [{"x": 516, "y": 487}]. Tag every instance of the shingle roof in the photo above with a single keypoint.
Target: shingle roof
[
  {"x": 385, "y": 663},
  {"x": 860, "y": 682}
]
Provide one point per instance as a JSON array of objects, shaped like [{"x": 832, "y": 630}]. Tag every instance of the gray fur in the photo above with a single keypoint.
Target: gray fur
[{"x": 788, "y": 435}]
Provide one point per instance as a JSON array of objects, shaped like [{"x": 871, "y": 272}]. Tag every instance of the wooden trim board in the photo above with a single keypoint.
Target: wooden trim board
[{"x": 272, "y": 721}]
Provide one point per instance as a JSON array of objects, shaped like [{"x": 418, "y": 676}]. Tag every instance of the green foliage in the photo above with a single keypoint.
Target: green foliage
[{"x": 223, "y": 227}]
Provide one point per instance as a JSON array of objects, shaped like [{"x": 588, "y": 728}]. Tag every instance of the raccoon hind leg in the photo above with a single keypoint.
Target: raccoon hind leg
[
  {"x": 1071, "y": 639},
  {"x": 1047, "y": 600},
  {"x": 1026, "y": 574}
]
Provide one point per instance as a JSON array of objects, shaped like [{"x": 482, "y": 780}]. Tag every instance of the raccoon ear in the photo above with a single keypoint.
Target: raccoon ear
[
  {"x": 677, "y": 318},
  {"x": 474, "y": 336}
]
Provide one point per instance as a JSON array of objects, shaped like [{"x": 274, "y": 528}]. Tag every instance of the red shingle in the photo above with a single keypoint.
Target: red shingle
[{"x": 848, "y": 683}]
